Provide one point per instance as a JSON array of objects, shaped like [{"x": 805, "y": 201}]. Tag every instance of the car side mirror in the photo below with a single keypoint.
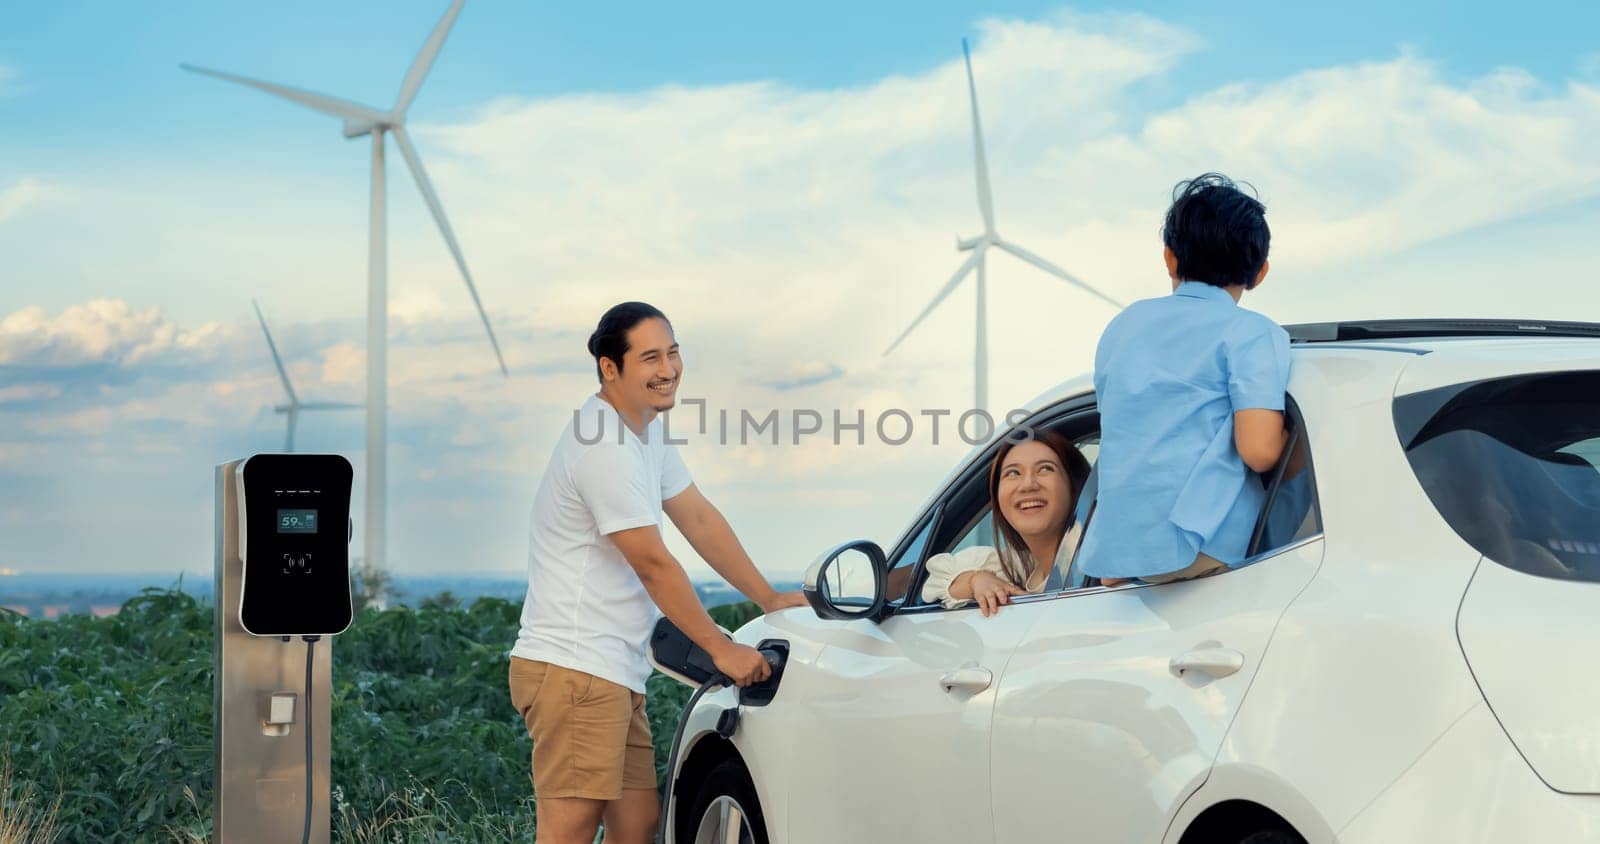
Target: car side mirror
[{"x": 847, "y": 582}]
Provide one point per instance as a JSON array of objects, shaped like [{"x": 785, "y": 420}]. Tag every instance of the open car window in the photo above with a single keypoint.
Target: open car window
[
  {"x": 907, "y": 558},
  {"x": 981, "y": 531},
  {"x": 963, "y": 517},
  {"x": 1290, "y": 514},
  {"x": 1291, "y": 511}
]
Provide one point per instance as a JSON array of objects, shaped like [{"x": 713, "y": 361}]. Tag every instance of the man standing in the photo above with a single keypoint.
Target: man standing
[{"x": 597, "y": 572}]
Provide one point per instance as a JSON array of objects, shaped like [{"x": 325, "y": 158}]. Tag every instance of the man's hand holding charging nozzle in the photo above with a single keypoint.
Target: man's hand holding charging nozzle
[{"x": 741, "y": 663}]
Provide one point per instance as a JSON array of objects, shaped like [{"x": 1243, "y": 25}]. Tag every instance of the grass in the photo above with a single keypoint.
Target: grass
[
  {"x": 112, "y": 718},
  {"x": 419, "y": 813},
  {"x": 23, "y": 818}
]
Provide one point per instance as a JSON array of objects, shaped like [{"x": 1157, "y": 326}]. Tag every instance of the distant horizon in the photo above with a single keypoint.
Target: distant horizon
[
  {"x": 50, "y": 596},
  {"x": 16, "y": 574}
]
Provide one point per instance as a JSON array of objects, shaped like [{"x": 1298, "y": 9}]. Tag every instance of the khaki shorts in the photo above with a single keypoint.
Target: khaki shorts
[{"x": 591, "y": 738}]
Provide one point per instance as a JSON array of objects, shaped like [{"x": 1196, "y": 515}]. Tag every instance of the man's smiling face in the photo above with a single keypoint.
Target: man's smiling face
[{"x": 651, "y": 367}]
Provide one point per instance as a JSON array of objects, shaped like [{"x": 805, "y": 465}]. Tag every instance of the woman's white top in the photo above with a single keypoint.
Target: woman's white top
[{"x": 945, "y": 568}]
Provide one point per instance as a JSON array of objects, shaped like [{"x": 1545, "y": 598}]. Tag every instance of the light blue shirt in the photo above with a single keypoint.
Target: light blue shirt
[{"x": 1169, "y": 374}]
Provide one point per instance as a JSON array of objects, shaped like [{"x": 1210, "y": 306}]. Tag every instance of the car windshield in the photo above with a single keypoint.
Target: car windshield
[{"x": 1513, "y": 465}]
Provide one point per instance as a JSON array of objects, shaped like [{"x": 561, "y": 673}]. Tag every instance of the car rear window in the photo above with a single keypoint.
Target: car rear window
[{"x": 1513, "y": 465}]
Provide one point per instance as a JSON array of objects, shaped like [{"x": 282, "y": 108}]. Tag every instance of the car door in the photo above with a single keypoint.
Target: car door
[
  {"x": 903, "y": 706},
  {"x": 902, "y": 710},
  {"x": 1115, "y": 702},
  {"x": 900, "y": 743}
]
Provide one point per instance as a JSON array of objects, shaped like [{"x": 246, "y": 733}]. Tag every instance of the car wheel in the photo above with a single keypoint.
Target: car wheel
[
  {"x": 1273, "y": 836},
  {"x": 725, "y": 811}
]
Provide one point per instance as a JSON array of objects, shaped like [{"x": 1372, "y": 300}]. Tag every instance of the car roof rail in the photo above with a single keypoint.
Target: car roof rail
[{"x": 1398, "y": 329}]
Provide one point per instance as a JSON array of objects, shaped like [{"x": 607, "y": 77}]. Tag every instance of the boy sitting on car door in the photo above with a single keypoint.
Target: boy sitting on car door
[{"x": 1191, "y": 391}]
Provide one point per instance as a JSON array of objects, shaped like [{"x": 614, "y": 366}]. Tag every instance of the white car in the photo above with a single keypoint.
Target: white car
[{"x": 1414, "y": 655}]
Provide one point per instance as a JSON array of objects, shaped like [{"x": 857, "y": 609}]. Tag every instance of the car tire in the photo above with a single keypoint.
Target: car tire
[
  {"x": 725, "y": 797},
  {"x": 1273, "y": 836}
]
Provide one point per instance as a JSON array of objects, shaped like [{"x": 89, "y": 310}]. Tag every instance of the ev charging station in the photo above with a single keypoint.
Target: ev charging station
[{"x": 282, "y": 587}]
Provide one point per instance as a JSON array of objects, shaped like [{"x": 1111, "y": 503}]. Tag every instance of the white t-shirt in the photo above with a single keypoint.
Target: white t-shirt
[{"x": 586, "y": 609}]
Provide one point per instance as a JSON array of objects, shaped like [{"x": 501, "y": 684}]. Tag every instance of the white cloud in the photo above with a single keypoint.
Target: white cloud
[
  {"x": 344, "y": 363},
  {"x": 99, "y": 331},
  {"x": 22, "y": 193},
  {"x": 699, "y": 188},
  {"x": 806, "y": 373},
  {"x": 1588, "y": 66},
  {"x": 826, "y": 217},
  {"x": 1372, "y": 158},
  {"x": 29, "y": 392}
]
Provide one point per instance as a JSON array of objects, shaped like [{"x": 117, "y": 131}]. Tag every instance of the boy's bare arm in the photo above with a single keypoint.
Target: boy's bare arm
[{"x": 1259, "y": 436}]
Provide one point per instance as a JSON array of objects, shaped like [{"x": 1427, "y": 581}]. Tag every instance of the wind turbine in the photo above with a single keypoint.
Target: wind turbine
[
  {"x": 979, "y": 246},
  {"x": 295, "y": 405},
  {"x": 362, "y": 120}
]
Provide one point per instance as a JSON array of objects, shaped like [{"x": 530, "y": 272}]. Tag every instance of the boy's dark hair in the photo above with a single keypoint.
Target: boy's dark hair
[
  {"x": 1218, "y": 233},
  {"x": 610, "y": 337}
]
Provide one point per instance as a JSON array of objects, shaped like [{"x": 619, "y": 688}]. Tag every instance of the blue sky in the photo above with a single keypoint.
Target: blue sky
[
  {"x": 1410, "y": 154},
  {"x": 103, "y": 75}
]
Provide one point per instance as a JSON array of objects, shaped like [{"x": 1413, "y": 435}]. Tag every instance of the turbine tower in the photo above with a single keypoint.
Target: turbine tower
[
  {"x": 295, "y": 405},
  {"x": 362, "y": 120},
  {"x": 979, "y": 246}
]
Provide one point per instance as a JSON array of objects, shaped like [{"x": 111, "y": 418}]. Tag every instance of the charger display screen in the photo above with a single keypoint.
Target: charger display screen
[{"x": 297, "y": 521}]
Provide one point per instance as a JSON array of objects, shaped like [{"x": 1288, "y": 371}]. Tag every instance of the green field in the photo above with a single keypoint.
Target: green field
[{"x": 112, "y": 718}]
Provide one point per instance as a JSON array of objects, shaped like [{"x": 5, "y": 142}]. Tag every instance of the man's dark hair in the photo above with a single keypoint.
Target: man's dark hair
[
  {"x": 1218, "y": 233},
  {"x": 610, "y": 337}
]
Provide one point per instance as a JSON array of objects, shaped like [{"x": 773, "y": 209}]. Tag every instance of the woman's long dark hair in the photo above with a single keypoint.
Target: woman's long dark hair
[{"x": 1014, "y": 554}]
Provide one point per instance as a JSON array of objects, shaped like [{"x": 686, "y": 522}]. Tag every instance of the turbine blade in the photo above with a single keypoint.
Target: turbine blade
[
  {"x": 331, "y": 405},
  {"x": 343, "y": 109},
  {"x": 961, "y": 272},
  {"x": 985, "y": 196},
  {"x": 1055, "y": 271},
  {"x": 282, "y": 373},
  {"x": 424, "y": 60},
  {"x": 432, "y": 199}
]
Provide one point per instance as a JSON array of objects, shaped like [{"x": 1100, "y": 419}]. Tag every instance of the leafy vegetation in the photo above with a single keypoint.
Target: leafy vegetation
[{"x": 112, "y": 717}]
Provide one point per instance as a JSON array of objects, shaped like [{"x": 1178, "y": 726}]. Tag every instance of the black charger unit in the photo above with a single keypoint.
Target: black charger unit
[{"x": 294, "y": 544}]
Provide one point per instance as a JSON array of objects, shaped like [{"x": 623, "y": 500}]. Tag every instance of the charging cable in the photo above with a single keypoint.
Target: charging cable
[
  {"x": 715, "y": 681},
  {"x": 311, "y": 642}
]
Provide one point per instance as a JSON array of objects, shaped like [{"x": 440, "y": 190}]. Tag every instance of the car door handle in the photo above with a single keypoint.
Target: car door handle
[
  {"x": 971, "y": 679},
  {"x": 1215, "y": 662}
]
